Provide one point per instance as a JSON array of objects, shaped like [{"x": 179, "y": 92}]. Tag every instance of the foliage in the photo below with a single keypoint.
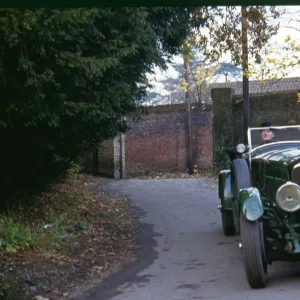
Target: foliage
[
  {"x": 14, "y": 236},
  {"x": 228, "y": 70},
  {"x": 71, "y": 234},
  {"x": 69, "y": 77},
  {"x": 278, "y": 62},
  {"x": 201, "y": 74},
  {"x": 225, "y": 32},
  {"x": 221, "y": 159}
]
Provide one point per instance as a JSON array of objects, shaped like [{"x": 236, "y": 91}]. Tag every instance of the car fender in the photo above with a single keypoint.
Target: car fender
[
  {"x": 250, "y": 203},
  {"x": 225, "y": 193}
]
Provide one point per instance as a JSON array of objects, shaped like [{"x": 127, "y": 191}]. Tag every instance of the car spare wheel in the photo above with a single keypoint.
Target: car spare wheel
[
  {"x": 227, "y": 222},
  {"x": 256, "y": 265},
  {"x": 240, "y": 179}
]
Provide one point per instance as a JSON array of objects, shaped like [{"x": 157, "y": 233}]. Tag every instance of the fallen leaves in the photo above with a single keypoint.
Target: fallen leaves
[
  {"x": 40, "y": 298},
  {"x": 165, "y": 174},
  {"x": 97, "y": 269},
  {"x": 97, "y": 232}
]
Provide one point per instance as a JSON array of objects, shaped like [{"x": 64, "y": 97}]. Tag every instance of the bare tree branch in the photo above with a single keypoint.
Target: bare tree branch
[{"x": 291, "y": 27}]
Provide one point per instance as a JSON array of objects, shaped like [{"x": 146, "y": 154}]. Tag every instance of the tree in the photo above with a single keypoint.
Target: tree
[
  {"x": 224, "y": 34},
  {"x": 225, "y": 31},
  {"x": 68, "y": 79},
  {"x": 245, "y": 65},
  {"x": 242, "y": 31},
  {"x": 279, "y": 62},
  {"x": 201, "y": 79},
  {"x": 202, "y": 75},
  {"x": 186, "y": 63},
  {"x": 193, "y": 79},
  {"x": 228, "y": 70}
]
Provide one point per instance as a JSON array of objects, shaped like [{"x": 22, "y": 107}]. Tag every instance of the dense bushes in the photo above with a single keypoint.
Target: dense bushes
[{"x": 69, "y": 77}]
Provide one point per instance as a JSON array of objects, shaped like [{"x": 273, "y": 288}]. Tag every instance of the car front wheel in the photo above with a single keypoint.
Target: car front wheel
[{"x": 256, "y": 266}]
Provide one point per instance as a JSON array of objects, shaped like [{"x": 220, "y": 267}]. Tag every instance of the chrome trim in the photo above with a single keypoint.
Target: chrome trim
[
  {"x": 250, "y": 146},
  {"x": 295, "y": 173},
  {"x": 225, "y": 171},
  {"x": 277, "y": 127}
]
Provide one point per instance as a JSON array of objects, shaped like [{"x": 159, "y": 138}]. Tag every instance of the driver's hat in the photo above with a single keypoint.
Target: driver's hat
[{"x": 266, "y": 124}]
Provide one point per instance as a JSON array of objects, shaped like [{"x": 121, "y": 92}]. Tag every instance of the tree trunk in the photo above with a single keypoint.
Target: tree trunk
[
  {"x": 188, "y": 101},
  {"x": 246, "y": 105}
]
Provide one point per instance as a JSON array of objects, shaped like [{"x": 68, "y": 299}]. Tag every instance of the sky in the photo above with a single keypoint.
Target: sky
[{"x": 283, "y": 32}]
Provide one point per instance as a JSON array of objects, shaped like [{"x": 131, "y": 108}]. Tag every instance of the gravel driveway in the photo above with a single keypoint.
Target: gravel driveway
[{"x": 184, "y": 254}]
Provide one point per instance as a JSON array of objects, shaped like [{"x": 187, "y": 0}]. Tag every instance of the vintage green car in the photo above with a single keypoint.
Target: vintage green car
[{"x": 260, "y": 200}]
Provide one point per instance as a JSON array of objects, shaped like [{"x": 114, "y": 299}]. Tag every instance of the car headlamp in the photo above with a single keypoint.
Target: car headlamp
[
  {"x": 288, "y": 197},
  {"x": 240, "y": 148}
]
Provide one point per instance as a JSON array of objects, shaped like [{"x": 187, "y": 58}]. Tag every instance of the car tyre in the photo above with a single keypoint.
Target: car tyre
[
  {"x": 241, "y": 179},
  {"x": 227, "y": 222},
  {"x": 255, "y": 262}
]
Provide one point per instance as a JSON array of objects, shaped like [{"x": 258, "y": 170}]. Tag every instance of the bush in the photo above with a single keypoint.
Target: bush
[{"x": 69, "y": 77}]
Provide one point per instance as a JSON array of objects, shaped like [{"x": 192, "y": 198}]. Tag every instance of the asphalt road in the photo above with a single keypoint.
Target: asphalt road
[{"x": 184, "y": 254}]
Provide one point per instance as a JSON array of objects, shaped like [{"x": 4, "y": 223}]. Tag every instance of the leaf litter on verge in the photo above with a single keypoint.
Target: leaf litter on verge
[{"x": 105, "y": 238}]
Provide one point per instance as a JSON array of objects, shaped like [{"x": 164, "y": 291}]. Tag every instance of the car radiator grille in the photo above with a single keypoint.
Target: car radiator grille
[{"x": 296, "y": 174}]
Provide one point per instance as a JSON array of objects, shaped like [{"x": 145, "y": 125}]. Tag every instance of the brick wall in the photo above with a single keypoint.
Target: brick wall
[
  {"x": 159, "y": 140},
  {"x": 279, "y": 109}
]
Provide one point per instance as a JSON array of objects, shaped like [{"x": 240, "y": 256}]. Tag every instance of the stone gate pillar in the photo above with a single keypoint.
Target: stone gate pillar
[
  {"x": 222, "y": 125},
  {"x": 111, "y": 157}
]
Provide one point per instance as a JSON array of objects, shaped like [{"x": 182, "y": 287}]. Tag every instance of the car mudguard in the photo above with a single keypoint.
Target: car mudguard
[
  {"x": 250, "y": 203},
  {"x": 225, "y": 193}
]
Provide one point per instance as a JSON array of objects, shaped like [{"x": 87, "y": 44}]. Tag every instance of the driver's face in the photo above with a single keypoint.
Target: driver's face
[{"x": 266, "y": 135}]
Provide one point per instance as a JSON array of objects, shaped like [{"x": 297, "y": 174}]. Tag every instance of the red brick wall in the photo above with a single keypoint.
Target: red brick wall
[
  {"x": 159, "y": 140},
  {"x": 280, "y": 109}
]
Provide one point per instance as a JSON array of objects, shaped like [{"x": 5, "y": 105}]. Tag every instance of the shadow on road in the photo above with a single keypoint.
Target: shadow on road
[{"x": 145, "y": 240}]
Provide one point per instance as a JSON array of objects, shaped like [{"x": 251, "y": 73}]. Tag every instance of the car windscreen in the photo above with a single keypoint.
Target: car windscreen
[{"x": 260, "y": 135}]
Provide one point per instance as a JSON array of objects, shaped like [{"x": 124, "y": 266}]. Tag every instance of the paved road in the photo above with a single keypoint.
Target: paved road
[{"x": 184, "y": 253}]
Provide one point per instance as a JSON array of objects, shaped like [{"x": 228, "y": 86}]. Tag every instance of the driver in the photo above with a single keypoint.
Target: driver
[{"x": 267, "y": 135}]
